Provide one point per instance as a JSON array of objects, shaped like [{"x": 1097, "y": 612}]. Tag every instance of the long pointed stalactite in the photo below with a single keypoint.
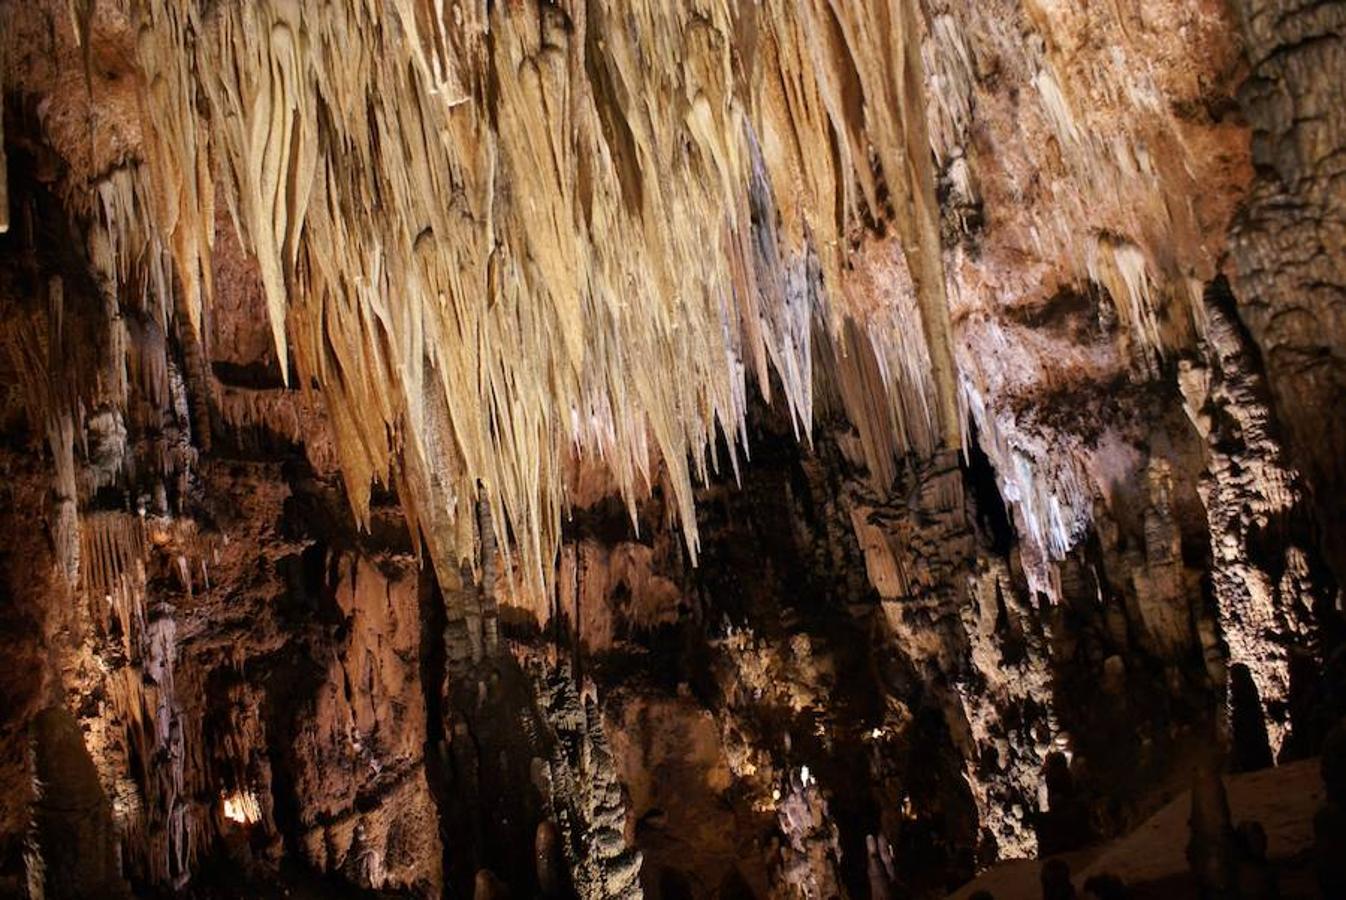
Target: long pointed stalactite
[{"x": 539, "y": 328}]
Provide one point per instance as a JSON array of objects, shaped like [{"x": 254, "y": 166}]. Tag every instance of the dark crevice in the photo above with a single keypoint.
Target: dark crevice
[{"x": 981, "y": 484}]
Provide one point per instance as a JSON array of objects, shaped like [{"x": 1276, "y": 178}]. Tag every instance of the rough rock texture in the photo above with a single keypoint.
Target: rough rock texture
[
  {"x": 1266, "y": 573},
  {"x": 684, "y": 448},
  {"x": 1288, "y": 264}
]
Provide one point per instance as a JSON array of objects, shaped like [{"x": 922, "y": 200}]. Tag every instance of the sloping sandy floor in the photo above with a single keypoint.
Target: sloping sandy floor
[{"x": 1152, "y": 859}]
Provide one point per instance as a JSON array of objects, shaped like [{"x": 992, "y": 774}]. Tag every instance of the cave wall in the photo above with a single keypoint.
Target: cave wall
[{"x": 1286, "y": 269}]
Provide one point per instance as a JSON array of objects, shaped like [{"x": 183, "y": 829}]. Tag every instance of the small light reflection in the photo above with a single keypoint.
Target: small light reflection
[{"x": 242, "y": 807}]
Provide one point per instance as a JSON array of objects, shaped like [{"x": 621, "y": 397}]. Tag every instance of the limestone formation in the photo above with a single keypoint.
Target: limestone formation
[{"x": 671, "y": 448}]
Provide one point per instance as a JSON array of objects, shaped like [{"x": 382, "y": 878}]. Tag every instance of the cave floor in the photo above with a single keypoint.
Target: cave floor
[{"x": 1152, "y": 860}]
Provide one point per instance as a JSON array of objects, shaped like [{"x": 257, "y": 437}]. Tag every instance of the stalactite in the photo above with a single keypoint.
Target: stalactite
[
  {"x": 147, "y": 365},
  {"x": 468, "y": 284},
  {"x": 84, "y": 368},
  {"x": 122, "y": 249},
  {"x": 183, "y": 211},
  {"x": 113, "y": 547},
  {"x": 504, "y": 249},
  {"x": 1121, "y": 267},
  {"x": 1050, "y": 494},
  {"x": 112, "y": 573},
  {"x": 65, "y": 510},
  {"x": 296, "y": 416}
]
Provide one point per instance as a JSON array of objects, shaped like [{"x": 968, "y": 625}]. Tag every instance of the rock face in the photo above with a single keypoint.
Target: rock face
[
  {"x": 684, "y": 449},
  {"x": 1288, "y": 264}
]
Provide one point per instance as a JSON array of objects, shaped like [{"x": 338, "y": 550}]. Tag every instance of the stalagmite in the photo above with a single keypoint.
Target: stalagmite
[
  {"x": 489, "y": 887},
  {"x": 548, "y": 851},
  {"x": 1210, "y": 849},
  {"x": 882, "y": 878},
  {"x": 583, "y": 791},
  {"x": 1266, "y": 597}
]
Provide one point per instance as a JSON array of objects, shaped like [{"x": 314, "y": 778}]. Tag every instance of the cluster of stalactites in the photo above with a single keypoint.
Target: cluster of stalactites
[{"x": 492, "y": 255}]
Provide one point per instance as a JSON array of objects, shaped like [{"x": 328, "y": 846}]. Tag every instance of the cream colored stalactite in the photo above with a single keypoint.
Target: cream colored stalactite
[
  {"x": 387, "y": 297},
  {"x": 679, "y": 213},
  {"x": 884, "y": 39},
  {"x": 1133, "y": 173},
  {"x": 816, "y": 65},
  {"x": 65, "y": 509},
  {"x": 274, "y": 153},
  {"x": 124, "y": 246},
  {"x": 112, "y": 572},
  {"x": 176, "y": 149},
  {"x": 1122, "y": 268},
  {"x": 556, "y": 263},
  {"x": 858, "y": 377},
  {"x": 921, "y": 238},
  {"x": 432, "y": 26},
  {"x": 791, "y": 123}
]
